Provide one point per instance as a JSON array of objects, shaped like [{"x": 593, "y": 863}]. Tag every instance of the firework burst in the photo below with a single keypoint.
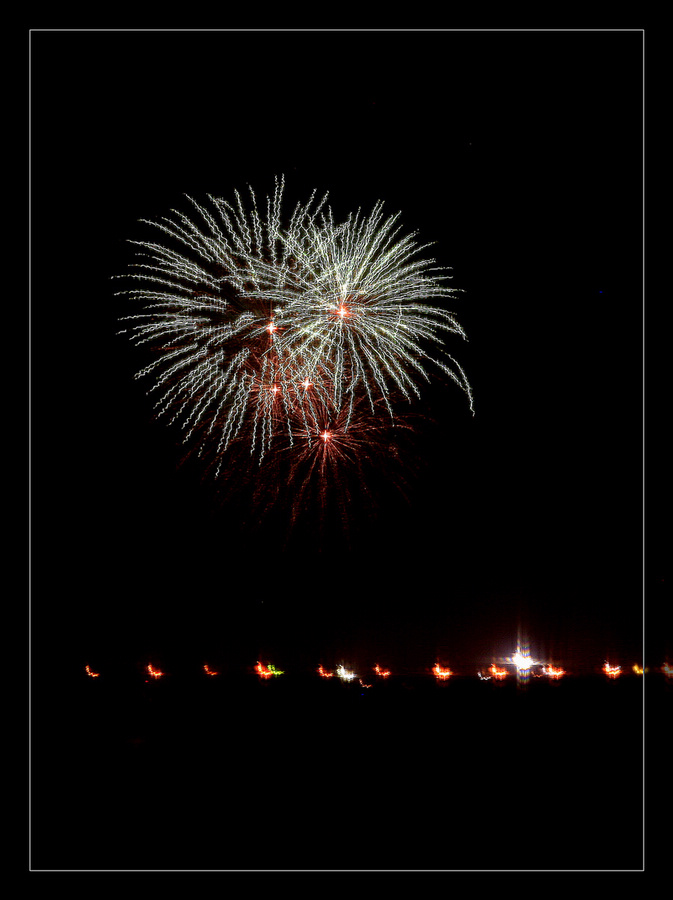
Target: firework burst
[
  {"x": 296, "y": 337},
  {"x": 208, "y": 321},
  {"x": 359, "y": 320}
]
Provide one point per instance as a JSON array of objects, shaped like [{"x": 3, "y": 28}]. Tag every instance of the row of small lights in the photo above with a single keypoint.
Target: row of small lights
[{"x": 441, "y": 673}]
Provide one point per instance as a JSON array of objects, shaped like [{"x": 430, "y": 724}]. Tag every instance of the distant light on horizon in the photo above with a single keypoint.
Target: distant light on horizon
[
  {"x": 525, "y": 666},
  {"x": 267, "y": 671},
  {"x": 612, "y": 671},
  {"x": 553, "y": 672},
  {"x": 345, "y": 674},
  {"x": 498, "y": 674},
  {"x": 382, "y": 673},
  {"x": 441, "y": 673},
  {"x": 522, "y": 662}
]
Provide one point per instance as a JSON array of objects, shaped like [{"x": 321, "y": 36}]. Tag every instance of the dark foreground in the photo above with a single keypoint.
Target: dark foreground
[{"x": 215, "y": 774}]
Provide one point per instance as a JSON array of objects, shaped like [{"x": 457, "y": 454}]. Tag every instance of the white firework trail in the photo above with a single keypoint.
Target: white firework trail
[
  {"x": 257, "y": 325},
  {"x": 207, "y": 316},
  {"x": 361, "y": 312}
]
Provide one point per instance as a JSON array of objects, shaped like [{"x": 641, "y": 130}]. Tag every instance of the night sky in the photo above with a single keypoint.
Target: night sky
[{"x": 519, "y": 154}]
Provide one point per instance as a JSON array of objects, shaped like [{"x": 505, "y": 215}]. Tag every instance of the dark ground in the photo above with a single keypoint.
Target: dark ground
[{"x": 231, "y": 773}]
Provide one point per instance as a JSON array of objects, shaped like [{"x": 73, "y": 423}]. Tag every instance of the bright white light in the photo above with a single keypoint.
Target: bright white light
[
  {"x": 522, "y": 662},
  {"x": 345, "y": 674}
]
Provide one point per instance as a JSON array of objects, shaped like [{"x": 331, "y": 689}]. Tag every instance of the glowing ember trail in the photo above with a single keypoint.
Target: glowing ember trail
[
  {"x": 90, "y": 673},
  {"x": 262, "y": 671},
  {"x": 382, "y": 673},
  {"x": 552, "y": 672},
  {"x": 209, "y": 671},
  {"x": 612, "y": 671},
  {"x": 154, "y": 673},
  {"x": 498, "y": 674},
  {"x": 267, "y": 671},
  {"x": 441, "y": 673}
]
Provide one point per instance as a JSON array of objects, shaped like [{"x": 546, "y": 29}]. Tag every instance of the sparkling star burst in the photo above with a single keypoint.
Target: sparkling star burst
[
  {"x": 358, "y": 320},
  {"x": 274, "y": 332}
]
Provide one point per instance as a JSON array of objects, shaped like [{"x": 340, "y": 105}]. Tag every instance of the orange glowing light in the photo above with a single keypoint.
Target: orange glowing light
[
  {"x": 382, "y": 673},
  {"x": 342, "y": 311},
  {"x": 209, "y": 671},
  {"x": 90, "y": 673},
  {"x": 271, "y": 328},
  {"x": 323, "y": 673},
  {"x": 498, "y": 674},
  {"x": 326, "y": 435},
  {"x": 552, "y": 672},
  {"x": 306, "y": 384},
  {"x": 262, "y": 671},
  {"x": 612, "y": 671},
  {"x": 154, "y": 673},
  {"x": 268, "y": 670},
  {"x": 638, "y": 669},
  {"x": 441, "y": 673}
]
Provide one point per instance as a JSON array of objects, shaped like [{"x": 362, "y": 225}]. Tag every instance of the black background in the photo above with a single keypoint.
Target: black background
[{"x": 519, "y": 154}]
